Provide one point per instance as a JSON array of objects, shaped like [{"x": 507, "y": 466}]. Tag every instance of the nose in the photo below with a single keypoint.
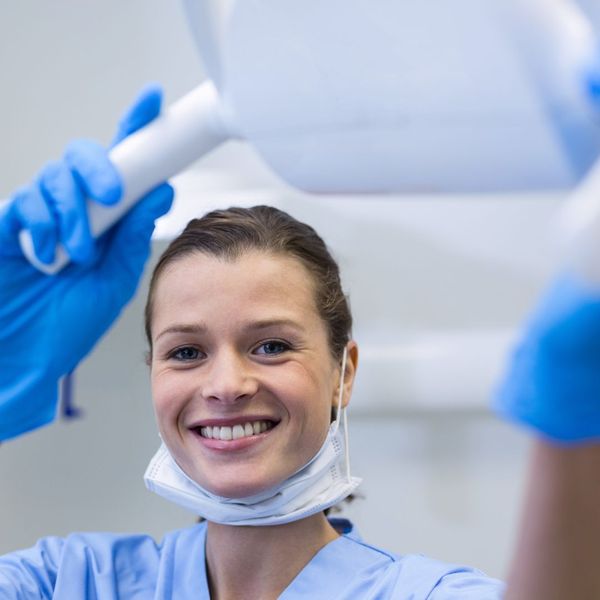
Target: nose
[{"x": 228, "y": 377}]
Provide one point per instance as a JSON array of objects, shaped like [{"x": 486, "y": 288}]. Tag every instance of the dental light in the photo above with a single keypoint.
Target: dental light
[{"x": 381, "y": 96}]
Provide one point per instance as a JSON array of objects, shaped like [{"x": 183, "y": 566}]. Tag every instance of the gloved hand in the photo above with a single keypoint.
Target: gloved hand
[
  {"x": 49, "y": 323},
  {"x": 552, "y": 383}
]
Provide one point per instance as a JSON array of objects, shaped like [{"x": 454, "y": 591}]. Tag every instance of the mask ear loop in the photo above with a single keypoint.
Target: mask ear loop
[
  {"x": 340, "y": 394},
  {"x": 342, "y": 415}
]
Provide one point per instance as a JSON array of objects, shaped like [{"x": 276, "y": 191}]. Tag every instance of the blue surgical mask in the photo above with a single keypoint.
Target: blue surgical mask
[{"x": 323, "y": 482}]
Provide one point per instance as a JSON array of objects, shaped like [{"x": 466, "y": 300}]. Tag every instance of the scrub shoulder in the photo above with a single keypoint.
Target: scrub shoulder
[
  {"x": 413, "y": 576},
  {"x": 112, "y": 566}
]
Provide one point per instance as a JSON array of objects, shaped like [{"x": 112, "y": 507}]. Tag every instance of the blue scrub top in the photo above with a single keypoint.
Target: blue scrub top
[{"x": 109, "y": 566}]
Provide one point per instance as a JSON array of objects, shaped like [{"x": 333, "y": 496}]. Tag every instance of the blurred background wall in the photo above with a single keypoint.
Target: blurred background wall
[{"x": 438, "y": 287}]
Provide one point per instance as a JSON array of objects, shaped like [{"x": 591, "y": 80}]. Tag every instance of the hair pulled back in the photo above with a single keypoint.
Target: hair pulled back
[{"x": 230, "y": 233}]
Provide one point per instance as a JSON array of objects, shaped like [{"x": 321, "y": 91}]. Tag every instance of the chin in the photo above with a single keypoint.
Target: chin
[
  {"x": 237, "y": 490},
  {"x": 238, "y": 487}
]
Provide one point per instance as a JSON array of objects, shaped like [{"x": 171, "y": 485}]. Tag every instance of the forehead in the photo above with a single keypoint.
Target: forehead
[{"x": 255, "y": 285}]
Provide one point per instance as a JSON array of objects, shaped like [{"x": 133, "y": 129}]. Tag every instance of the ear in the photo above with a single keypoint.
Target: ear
[{"x": 349, "y": 374}]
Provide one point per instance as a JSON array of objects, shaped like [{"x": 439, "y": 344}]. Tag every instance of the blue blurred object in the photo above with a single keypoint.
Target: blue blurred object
[
  {"x": 48, "y": 324},
  {"x": 552, "y": 383}
]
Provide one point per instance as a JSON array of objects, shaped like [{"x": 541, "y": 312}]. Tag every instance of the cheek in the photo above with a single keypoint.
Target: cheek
[
  {"x": 167, "y": 395},
  {"x": 310, "y": 397}
]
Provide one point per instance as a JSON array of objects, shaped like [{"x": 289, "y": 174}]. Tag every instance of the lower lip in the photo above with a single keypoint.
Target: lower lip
[{"x": 233, "y": 445}]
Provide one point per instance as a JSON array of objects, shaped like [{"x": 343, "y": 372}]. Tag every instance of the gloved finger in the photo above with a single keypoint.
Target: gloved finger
[
  {"x": 129, "y": 244},
  {"x": 94, "y": 172},
  {"x": 29, "y": 210},
  {"x": 145, "y": 108},
  {"x": 66, "y": 200}
]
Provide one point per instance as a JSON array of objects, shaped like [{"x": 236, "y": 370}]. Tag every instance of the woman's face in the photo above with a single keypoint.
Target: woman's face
[{"x": 243, "y": 379}]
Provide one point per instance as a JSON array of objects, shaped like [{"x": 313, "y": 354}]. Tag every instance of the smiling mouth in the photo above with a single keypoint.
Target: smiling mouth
[{"x": 235, "y": 432}]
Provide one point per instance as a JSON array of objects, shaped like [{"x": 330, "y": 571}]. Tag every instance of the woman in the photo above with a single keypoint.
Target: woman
[
  {"x": 252, "y": 367},
  {"x": 250, "y": 356}
]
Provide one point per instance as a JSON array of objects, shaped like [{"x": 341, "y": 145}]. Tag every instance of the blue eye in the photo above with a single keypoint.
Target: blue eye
[
  {"x": 272, "y": 347},
  {"x": 185, "y": 353}
]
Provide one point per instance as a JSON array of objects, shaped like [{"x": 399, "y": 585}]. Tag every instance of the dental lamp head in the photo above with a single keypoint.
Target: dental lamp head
[{"x": 378, "y": 96}]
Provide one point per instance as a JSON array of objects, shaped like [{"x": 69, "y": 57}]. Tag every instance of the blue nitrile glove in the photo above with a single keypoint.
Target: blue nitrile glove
[
  {"x": 552, "y": 382},
  {"x": 49, "y": 323}
]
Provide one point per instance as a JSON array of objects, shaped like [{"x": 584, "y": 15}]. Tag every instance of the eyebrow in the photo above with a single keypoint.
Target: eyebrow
[
  {"x": 198, "y": 328},
  {"x": 183, "y": 328},
  {"x": 267, "y": 323}
]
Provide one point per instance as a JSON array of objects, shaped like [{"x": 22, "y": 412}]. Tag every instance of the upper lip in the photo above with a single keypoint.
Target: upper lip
[{"x": 231, "y": 421}]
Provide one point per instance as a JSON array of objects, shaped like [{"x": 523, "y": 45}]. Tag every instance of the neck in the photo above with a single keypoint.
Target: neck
[{"x": 260, "y": 562}]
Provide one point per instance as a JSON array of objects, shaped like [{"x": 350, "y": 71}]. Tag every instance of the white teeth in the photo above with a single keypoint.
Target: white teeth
[
  {"x": 236, "y": 432},
  {"x": 226, "y": 433}
]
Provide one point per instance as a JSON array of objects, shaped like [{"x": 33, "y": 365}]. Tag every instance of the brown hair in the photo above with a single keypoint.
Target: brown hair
[{"x": 231, "y": 232}]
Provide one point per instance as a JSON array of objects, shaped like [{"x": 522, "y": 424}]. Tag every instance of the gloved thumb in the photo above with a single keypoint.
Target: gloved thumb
[{"x": 145, "y": 108}]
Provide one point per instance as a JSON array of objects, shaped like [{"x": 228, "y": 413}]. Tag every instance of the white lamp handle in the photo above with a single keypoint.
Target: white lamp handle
[{"x": 187, "y": 130}]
